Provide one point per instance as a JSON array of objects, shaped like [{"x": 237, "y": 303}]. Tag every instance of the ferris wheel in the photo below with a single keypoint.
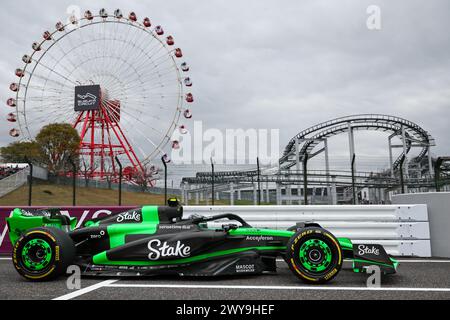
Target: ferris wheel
[{"x": 120, "y": 81}]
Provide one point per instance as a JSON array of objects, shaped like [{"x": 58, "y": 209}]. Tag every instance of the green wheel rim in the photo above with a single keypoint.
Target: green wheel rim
[
  {"x": 36, "y": 254},
  {"x": 315, "y": 255}
]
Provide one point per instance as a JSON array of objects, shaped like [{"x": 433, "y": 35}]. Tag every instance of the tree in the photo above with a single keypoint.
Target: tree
[
  {"x": 109, "y": 173},
  {"x": 87, "y": 170},
  {"x": 58, "y": 142},
  {"x": 144, "y": 178},
  {"x": 17, "y": 151}
]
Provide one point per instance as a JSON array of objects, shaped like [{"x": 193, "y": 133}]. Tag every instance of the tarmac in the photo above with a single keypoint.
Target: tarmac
[{"x": 420, "y": 279}]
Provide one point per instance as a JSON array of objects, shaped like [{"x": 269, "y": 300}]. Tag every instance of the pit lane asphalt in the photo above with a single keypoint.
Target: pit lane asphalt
[{"x": 415, "y": 280}]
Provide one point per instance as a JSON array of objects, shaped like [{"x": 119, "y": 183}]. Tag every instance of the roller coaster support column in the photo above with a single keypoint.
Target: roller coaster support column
[
  {"x": 297, "y": 167},
  {"x": 327, "y": 164},
  {"x": 405, "y": 151},
  {"x": 333, "y": 191},
  {"x": 255, "y": 196},
  {"x": 355, "y": 200},
  {"x": 278, "y": 192},
  {"x": 351, "y": 143},
  {"x": 288, "y": 194},
  {"x": 212, "y": 180},
  {"x": 430, "y": 161},
  {"x": 402, "y": 183},
  {"x": 231, "y": 193},
  {"x": 259, "y": 180},
  {"x": 391, "y": 161},
  {"x": 305, "y": 179}
]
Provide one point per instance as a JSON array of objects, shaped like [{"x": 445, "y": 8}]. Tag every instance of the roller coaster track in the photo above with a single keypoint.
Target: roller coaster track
[
  {"x": 312, "y": 136},
  {"x": 410, "y": 133},
  {"x": 315, "y": 178}
]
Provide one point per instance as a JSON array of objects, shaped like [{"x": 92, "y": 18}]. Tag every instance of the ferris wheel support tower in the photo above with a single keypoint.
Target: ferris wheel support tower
[{"x": 100, "y": 115}]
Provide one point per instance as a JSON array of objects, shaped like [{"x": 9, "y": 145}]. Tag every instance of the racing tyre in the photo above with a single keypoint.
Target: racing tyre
[
  {"x": 43, "y": 254},
  {"x": 314, "y": 255}
]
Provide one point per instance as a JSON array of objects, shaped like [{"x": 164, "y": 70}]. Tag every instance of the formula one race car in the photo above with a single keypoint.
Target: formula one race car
[{"x": 156, "y": 240}]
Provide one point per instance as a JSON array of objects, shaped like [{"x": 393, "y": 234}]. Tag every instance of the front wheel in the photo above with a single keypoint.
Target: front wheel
[
  {"x": 43, "y": 253},
  {"x": 314, "y": 255}
]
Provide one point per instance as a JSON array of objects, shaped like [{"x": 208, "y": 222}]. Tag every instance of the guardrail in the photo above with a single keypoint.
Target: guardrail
[
  {"x": 13, "y": 181},
  {"x": 402, "y": 229}
]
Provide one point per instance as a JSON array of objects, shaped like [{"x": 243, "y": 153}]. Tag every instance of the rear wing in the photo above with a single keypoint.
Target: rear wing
[{"x": 22, "y": 220}]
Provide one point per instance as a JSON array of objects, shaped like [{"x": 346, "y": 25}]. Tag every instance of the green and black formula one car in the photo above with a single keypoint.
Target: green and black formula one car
[{"x": 156, "y": 240}]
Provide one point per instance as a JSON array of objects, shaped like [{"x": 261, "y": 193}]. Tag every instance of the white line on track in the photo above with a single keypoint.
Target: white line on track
[
  {"x": 195, "y": 286},
  {"x": 425, "y": 261},
  {"x": 407, "y": 260},
  {"x": 399, "y": 260},
  {"x": 80, "y": 292}
]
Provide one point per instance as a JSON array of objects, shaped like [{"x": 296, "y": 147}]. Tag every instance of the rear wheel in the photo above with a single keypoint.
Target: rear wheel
[
  {"x": 43, "y": 253},
  {"x": 314, "y": 255}
]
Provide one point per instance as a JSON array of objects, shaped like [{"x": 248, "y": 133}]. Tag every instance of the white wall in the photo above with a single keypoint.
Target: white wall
[{"x": 438, "y": 204}]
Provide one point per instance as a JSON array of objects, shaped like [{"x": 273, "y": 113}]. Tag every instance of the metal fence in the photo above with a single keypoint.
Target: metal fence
[{"x": 80, "y": 182}]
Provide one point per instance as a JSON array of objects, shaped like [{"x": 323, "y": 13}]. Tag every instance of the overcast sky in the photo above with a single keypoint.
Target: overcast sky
[{"x": 285, "y": 64}]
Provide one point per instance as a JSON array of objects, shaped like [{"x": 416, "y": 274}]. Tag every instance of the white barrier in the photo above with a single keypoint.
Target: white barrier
[
  {"x": 402, "y": 229},
  {"x": 438, "y": 206},
  {"x": 13, "y": 181}
]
